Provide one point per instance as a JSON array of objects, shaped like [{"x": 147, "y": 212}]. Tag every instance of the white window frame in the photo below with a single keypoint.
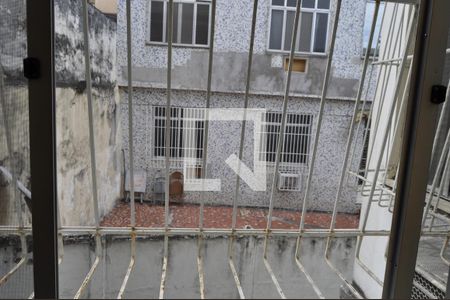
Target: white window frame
[
  {"x": 183, "y": 123},
  {"x": 314, "y": 11},
  {"x": 194, "y": 23},
  {"x": 262, "y": 155}
]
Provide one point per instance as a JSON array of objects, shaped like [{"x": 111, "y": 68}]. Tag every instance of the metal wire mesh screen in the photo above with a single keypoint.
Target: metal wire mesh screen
[{"x": 425, "y": 289}]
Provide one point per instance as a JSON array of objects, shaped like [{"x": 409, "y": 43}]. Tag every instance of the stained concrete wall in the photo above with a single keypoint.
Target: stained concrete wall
[
  {"x": 73, "y": 149},
  {"x": 182, "y": 277},
  {"x": 14, "y": 108},
  {"x": 73, "y": 155},
  {"x": 73, "y": 160}
]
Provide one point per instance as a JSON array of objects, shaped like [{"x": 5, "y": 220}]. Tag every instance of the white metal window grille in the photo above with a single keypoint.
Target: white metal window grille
[
  {"x": 312, "y": 35},
  {"x": 176, "y": 129},
  {"x": 297, "y": 138},
  {"x": 191, "y": 22},
  {"x": 186, "y": 133}
]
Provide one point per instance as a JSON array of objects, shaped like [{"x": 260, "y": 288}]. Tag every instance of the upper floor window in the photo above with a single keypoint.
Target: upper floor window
[
  {"x": 191, "y": 22},
  {"x": 368, "y": 19},
  {"x": 312, "y": 33}
]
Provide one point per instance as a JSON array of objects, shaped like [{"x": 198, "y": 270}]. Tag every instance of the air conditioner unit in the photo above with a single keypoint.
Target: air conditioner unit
[{"x": 289, "y": 181}]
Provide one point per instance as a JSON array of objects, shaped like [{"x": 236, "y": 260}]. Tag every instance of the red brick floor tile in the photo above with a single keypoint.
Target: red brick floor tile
[{"x": 188, "y": 216}]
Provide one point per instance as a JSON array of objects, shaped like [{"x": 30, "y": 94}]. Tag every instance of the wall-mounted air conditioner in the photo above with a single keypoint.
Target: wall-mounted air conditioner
[{"x": 289, "y": 181}]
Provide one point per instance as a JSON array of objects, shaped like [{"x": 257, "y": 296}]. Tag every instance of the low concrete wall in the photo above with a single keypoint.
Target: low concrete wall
[{"x": 182, "y": 277}]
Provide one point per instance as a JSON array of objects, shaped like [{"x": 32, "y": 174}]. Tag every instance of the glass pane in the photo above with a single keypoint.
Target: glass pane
[
  {"x": 368, "y": 19},
  {"x": 289, "y": 28},
  {"x": 156, "y": 21},
  {"x": 305, "y": 32},
  {"x": 188, "y": 19},
  {"x": 276, "y": 30},
  {"x": 291, "y": 3},
  {"x": 320, "y": 39},
  {"x": 323, "y": 4},
  {"x": 175, "y": 23},
  {"x": 278, "y": 2},
  {"x": 201, "y": 37},
  {"x": 309, "y": 3}
]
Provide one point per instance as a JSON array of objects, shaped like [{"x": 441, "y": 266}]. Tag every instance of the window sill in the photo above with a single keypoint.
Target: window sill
[
  {"x": 158, "y": 44},
  {"x": 297, "y": 54},
  {"x": 282, "y": 164}
]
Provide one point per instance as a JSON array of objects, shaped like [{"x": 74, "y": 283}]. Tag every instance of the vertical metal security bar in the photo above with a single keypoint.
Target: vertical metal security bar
[
  {"x": 344, "y": 165},
  {"x": 375, "y": 55},
  {"x": 442, "y": 116},
  {"x": 386, "y": 80},
  {"x": 241, "y": 151},
  {"x": 131, "y": 152},
  {"x": 208, "y": 104},
  {"x": 91, "y": 148},
  {"x": 434, "y": 214},
  {"x": 447, "y": 165},
  {"x": 442, "y": 160},
  {"x": 279, "y": 148},
  {"x": 205, "y": 148},
  {"x": 40, "y": 45},
  {"x": 167, "y": 141},
  {"x": 60, "y": 243},
  {"x": 400, "y": 75},
  {"x": 386, "y": 76},
  {"x": 437, "y": 174},
  {"x": 397, "y": 127},
  {"x": 14, "y": 180},
  {"x": 315, "y": 146},
  {"x": 419, "y": 131},
  {"x": 387, "y": 71},
  {"x": 441, "y": 254}
]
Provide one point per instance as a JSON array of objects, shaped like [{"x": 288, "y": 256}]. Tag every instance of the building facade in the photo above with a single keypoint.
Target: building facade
[{"x": 191, "y": 29}]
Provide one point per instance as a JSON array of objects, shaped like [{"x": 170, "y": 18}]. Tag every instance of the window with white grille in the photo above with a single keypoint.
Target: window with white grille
[
  {"x": 191, "y": 22},
  {"x": 186, "y": 133},
  {"x": 313, "y": 30},
  {"x": 297, "y": 138}
]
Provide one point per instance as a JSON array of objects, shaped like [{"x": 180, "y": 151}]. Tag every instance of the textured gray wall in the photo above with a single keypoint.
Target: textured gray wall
[
  {"x": 224, "y": 140},
  {"x": 189, "y": 78},
  {"x": 233, "y": 22}
]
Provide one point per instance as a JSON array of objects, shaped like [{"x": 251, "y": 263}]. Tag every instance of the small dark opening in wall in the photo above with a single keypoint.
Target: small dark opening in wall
[
  {"x": 81, "y": 87},
  {"x": 298, "y": 64}
]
